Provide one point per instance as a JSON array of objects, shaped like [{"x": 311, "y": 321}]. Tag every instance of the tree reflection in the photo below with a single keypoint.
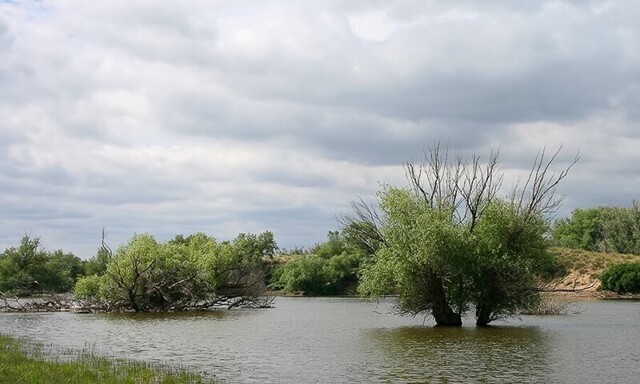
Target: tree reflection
[{"x": 495, "y": 354}]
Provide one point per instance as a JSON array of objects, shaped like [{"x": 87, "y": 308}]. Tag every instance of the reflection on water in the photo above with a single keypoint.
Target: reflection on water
[
  {"x": 337, "y": 340},
  {"x": 494, "y": 354}
]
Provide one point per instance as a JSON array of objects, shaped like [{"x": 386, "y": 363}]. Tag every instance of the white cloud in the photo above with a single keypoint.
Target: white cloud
[
  {"x": 228, "y": 117},
  {"x": 374, "y": 25}
]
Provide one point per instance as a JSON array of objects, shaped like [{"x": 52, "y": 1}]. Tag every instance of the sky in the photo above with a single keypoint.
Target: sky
[{"x": 243, "y": 116}]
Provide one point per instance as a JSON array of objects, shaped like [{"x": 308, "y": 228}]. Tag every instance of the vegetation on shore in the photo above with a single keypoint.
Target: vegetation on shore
[
  {"x": 579, "y": 270},
  {"x": 24, "y": 362},
  {"x": 622, "y": 278},
  {"x": 185, "y": 273},
  {"x": 329, "y": 268},
  {"x": 600, "y": 229},
  {"x": 333, "y": 267},
  {"x": 446, "y": 244}
]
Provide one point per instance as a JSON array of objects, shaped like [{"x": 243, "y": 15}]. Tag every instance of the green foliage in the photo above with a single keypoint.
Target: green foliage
[
  {"x": 262, "y": 245},
  {"x": 491, "y": 266},
  {"x": 184, "y": 273},
  {"x": 621, "y": 278},
  {"x": 362, "y": 237},
  {"x": 29, "y": 269},
  {"x": 581, "y": 231},
  {"x": 334, "y": 245},
  {"x": 97, "y": 265},
  {"x": 511, "y": 251},
  {"x": 22, "y": 362},
  {"x": 302, "y": 274},
  {"x": 88, "y": 288},
  {"x": 424, "y": 253},
  {"x": 601, "y": 229},
  {"x": 449, "y": 243},
  {"x": 315, "y": 275},
  {"x": 330, "y": 269},
  {"x": 128, "y": 276}
]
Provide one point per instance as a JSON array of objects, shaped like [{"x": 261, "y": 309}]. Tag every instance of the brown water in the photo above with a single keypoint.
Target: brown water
[{"x": 338, "y": 340}]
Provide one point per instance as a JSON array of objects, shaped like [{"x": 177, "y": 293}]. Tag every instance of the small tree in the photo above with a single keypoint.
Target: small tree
[
  {"x": 510, "y": 252},
  {"x": 128, "y": 278},
  {"x": 421, "y": 259}
]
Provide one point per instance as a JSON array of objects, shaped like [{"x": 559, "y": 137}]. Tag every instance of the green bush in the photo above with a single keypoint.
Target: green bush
[
  {"x": 88, "y": 288},
  {"x": 303, "y": 274},
  {"x": 29, "y": 269},
  {"x": 621, "y": 278},
  {"x": 316, "y": 275}
]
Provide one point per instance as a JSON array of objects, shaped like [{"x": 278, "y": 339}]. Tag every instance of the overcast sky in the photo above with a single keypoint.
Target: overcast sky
[{"x": 243, "y": 116}]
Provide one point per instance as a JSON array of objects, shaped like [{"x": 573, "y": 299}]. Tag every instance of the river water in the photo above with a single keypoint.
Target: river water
[{"x": 343, "y": 340}]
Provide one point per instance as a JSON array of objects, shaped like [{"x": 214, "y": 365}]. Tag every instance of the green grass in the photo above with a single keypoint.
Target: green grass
[
  {"x": 590, "y": 263},
  {"x": 24, "y": 362}
]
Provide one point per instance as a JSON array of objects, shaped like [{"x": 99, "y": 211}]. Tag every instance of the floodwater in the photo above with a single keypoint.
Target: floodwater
[{"x": 343, "y": 340}]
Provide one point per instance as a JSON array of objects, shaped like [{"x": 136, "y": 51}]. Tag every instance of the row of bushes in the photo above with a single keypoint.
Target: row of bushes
[
  {"x": 144, "y": 274},
  {"x": 329, "y": 268},
  {"x": 196, "y": 272}
]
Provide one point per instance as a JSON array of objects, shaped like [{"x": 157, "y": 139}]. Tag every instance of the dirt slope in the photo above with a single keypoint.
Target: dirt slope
[{"x": 584, "y": 267}]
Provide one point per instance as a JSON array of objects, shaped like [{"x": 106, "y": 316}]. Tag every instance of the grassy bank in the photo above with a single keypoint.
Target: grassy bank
[
  {"x": 582, "y": 268},
  {"x": 25, "y": 362}
]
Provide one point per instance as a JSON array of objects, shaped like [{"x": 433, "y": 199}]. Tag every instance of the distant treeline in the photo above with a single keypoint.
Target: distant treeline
[
  {"x": 29, "y": 269},
  {"x": 144, "y": 274},
  {"x": 600, "y": 229}
]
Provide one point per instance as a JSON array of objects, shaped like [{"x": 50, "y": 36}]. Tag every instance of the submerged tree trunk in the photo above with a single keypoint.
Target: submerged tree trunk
[
  {"x": 445, "y": 316},
  {"x": 483, "y": 315},
  {"x": 442, "y": 312}
]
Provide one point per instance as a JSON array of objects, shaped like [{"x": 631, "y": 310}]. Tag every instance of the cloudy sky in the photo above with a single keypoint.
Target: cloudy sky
[{"x": 243, "y": 116}]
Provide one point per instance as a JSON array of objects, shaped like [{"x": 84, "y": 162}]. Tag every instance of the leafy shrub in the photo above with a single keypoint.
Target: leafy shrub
[
  {"x": 316, "y": 275},
  {"x": 331, "y": 268},
  {"x": 303, "y": 274},
  {"x": 334, "y": 246},
  {"x": 28, "y": 269},
  {"x": 621, "y": 278},
  {"x": 88, "y": 288}
]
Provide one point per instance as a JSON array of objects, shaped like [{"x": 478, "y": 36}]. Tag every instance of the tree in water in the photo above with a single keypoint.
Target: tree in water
[
  {"x": 449, "y": 243},
  {"x": 195, "y": 272}
]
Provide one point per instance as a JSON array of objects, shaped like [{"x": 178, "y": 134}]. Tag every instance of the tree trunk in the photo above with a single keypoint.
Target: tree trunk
[
  {"x": 132, "y": 300},
  {"x": 483, "y": 315},
  {"x": 441, "y": 310},
  {"x": 445, "y": 316}
]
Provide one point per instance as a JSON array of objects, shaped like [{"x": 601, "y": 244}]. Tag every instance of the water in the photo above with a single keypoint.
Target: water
[{"x": 338, "y": 340}]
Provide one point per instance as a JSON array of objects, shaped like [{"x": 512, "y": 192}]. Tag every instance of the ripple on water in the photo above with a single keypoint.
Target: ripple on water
[{"x": 351, "y": 340}]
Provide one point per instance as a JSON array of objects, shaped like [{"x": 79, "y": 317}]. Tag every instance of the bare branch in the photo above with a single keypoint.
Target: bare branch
[
  {"x": 461, "y": 187},
  {"x": 538, "y": 194}
]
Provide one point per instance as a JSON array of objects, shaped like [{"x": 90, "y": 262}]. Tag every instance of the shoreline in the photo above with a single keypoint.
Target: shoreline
[
  {"x": 587, "y": 293},
  {"x": 25, "y": 361}
]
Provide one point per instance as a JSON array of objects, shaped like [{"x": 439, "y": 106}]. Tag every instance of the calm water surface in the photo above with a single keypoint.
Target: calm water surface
[{"x": 338, "y": 340}]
